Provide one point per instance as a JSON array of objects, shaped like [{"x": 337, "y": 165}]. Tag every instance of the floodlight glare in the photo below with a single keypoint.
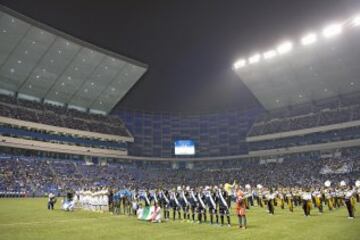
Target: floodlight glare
[
  {"x": 269, "y": 54},
  {"x": 356, "y": 21},
  {"x": 239, "y": 64},
  {"x": 284, "y": 47},
  {"x": 309, "y": 39},
  {"x": 332, "y": 30},
  {"x": 254, "y": 59}
]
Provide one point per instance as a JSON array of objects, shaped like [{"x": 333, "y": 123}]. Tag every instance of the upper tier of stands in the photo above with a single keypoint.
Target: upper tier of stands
[
  {"x": 60, "y": 116},
  {"x": 331, "y": 111}
]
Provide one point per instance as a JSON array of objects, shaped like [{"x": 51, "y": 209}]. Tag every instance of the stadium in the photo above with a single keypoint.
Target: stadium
[{"x": 179, "y": 119}]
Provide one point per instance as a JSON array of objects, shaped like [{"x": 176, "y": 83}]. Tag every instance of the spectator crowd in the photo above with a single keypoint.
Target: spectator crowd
[
  {"x": 36, "y": 176},
  {"x": 60, "y": 116},
  {"x": 307, "y": 116}
]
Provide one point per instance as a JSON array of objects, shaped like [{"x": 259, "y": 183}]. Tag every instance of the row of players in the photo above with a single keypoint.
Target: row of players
[
  {"x": 93, "y": 199},
  {"x": 197, "y": 204}
]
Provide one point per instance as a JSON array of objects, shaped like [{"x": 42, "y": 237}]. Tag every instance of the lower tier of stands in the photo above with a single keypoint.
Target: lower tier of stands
[{"x": 37, "y": 176}]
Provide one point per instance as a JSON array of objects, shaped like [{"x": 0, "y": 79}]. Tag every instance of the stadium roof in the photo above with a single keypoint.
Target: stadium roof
[
  {"x": 191, "y": 54},
  {"x": 38, "y": 61},
  {"x": 322, "y": 64}
]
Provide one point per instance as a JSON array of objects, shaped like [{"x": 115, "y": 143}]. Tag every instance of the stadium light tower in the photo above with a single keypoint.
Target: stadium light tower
[
  {"x": 254, "y": 59},
  {"x": 269, "y": 54},
  {"x": 284, "y": 47},
  {"x": 332, "y": 30},
  {"x": 329, "y": 31},
  {"x": 356, "y": 21},
  {"x": 240, "y": 64},
  {"x": 309, "y": 39}
]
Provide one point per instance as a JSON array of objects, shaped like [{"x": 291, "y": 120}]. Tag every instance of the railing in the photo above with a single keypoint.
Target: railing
[
  {"x": 69, "y": 131},
  {"x": 301, "y": 132},
  {"x": 60, "y": 148},
  {"x": 307, "y": 148}
]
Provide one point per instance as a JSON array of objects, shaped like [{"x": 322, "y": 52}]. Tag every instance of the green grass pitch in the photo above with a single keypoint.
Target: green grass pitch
[{"x": 29, "y": 219}]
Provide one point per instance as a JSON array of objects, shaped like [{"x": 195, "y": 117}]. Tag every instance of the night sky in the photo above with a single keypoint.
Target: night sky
[{"x": 189, "y": 45}]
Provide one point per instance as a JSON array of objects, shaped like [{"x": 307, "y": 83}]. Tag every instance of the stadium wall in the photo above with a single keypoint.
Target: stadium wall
[{"x": 214, "y": 134}]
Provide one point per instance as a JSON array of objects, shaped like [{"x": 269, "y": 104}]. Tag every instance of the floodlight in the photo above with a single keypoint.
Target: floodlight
[
  {"x": 309, "y": 39},
  {"x": 269, "y": 54},
  {"x": 284, "y": 47},
  {"x": 239, "y": 64},
  {"x": 254, "y": 59},
  {"x": 332, "y": 30},
  {"x": 356, "y": 21}
]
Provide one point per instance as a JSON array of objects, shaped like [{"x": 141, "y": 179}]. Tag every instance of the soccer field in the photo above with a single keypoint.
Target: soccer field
[{"x": 29, "y": 219}]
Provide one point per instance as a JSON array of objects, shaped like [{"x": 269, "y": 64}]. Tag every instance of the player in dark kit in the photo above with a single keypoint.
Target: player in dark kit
[
  {"x": 223, "y": 206},
  {"x": 146, "y": 196},
  {"x": 192, "y": 203},
  {"x": 164, "y": 200},
  {"x": 174, "y": 203},
  {"x": 184, "y": 195},
  {"x": 211, "y": 201},
  {"x": 110, "y": 200},
  {"x": 201, "y": 205}
]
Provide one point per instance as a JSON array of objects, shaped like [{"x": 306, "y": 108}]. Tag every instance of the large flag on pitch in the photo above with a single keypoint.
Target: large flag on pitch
[
  {"x": 144, "y": 213},
  {"x": 149, "y": 213}
]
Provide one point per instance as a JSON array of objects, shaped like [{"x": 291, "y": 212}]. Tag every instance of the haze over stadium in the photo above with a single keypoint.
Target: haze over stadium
[{"x": 196, "y": 115}]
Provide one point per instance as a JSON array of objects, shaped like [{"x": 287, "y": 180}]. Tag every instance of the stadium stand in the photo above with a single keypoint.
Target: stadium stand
[
  {"x": 59, "y": 116},
  {"x": 36, "y": 176},
  {"x": 319, "y": 124},
  {"x": 331, "y": 111}
]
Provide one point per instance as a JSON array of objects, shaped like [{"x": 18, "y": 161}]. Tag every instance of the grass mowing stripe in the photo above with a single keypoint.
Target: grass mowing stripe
[{"x": 29, "y": 219}]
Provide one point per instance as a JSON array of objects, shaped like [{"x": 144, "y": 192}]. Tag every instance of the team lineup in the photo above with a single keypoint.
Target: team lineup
[{"x": 210, "y": 204}]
